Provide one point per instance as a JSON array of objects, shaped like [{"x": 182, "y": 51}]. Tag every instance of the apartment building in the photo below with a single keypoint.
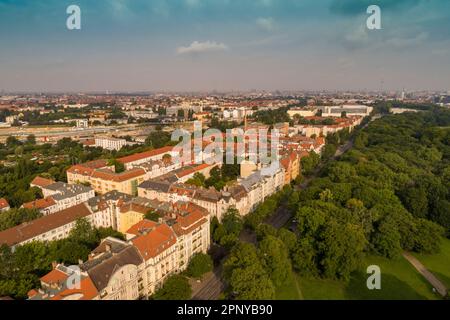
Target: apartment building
[
  {"x": 148, "y": 156},
  {"x": 245, "y": 195},
  {"x": 302, "y": 112},
  {"x": 262, "y": 184},
  {"x": 48, "y": 228},
  {"x": 81, "y": 173},
  {"x": 58, "y": 195},
  {"x": 105, "y": 180},
  {"x": 291, "y": 166},
  {"x": 109, "y": 143},
  {"x": 129, "y": 270},
  {"x": 349, "y": 110},
  {"x": 106, "y": 208},
  {"x": 309, "y": 130}
]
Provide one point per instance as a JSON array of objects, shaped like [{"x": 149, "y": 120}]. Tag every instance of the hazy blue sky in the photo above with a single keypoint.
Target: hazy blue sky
[{"x": 224, "y": 45}]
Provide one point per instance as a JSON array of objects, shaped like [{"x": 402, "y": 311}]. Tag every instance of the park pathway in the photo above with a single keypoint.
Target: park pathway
[{"x": 435, "y": 282}]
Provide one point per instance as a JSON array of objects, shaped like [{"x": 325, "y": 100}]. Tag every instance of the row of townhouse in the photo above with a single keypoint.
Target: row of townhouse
[
  {"x": 141, "y": 158},
  {"x": 48, "y": 228},
  {"x": 136, "y": 268},
  {"x": 100, "y": 211},
  {"x": 245, "y": 195},
  {"x": 309, "y": 130},
  {"x": 139, "y": 167},
  {"x": 300, "y": 144},
  {"x": 58, "y": 195}
]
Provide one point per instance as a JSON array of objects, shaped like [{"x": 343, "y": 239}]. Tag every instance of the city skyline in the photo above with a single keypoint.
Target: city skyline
[{"x": 195, "y": 45}]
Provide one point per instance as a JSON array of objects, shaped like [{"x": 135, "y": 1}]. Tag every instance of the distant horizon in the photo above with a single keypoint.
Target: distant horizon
[
  {"x": 212, "y": 92},
  {"x": 224, "y": 45}
]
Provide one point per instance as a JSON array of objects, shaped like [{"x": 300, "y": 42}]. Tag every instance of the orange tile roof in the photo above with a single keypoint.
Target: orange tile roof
[
  {"x": 153, "y": 243},
  {"x": 34, "y": 228},
  {"x": 42, "y": 182},
  {"x": 87, "y": 289},
  {"x": 189, "y": 171},
  {"x": 88, "y": 168},
  {"x": 140, "y": 226},
  {"x": 143, "y": 155},
  {"x": 3, "y": 203},
  {"x": 96, "y": 164},
  {"x": 40, "y": 203},
  {"x": 106, "y": 174},
  {"x": 54, "y": 276},
  {"x": 285, "y": 162},
  {"x": 188, "y": 222},
  {"x": 80, "y": 169}
]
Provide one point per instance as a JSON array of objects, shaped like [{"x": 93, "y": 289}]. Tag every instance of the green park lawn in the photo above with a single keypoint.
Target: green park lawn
[
  {"x": 399, "y": 281},
  {"x": 438, "y": 264}
]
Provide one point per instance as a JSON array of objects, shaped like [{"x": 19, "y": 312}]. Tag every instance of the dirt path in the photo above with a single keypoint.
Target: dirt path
[{"x": 435, "y": 282}]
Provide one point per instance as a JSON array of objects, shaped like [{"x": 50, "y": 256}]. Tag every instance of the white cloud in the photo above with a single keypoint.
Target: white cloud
[
  {"x": 266, "y": 24},
  {"x": 202, "y": 47}
]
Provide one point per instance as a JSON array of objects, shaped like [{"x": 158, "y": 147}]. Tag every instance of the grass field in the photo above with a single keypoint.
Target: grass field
[
  {"x": 438, "y": 264},
  {"x": 289, "y": 291},
  {"x": 399, "y": 281}
]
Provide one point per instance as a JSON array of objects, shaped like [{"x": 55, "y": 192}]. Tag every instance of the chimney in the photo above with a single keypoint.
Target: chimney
[
  {"x": 54, "y": 265},
  {"x": 80, "y": 262},
  {"x": 108, "y": 247}
]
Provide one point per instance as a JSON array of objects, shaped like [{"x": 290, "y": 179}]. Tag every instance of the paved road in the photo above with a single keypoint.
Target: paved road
[
  {"x": 435, "y": 282},
  {"x": 211, "y": 286}
]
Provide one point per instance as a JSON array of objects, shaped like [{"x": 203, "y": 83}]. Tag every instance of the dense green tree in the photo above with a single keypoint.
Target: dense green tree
[
  {"x": 340, "y": 249},
  {"x": 246, "y": 276},
  {"x": 14, "y": 217},
  {"x": 309, "y": 163},
  {"x": 176, "y": 287},
  {"x": 274, "y": 257},
  {"x": 386, "y": 241},
  {"x": 199, "y": 264},
  {"x": 427, "y": 237}
]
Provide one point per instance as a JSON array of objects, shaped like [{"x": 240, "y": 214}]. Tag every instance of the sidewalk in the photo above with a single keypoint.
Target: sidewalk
[{"x": 435, "y": 282}]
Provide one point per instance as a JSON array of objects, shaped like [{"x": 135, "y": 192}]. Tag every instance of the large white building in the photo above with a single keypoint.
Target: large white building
[
  {"x": 349, "y": 110},
  {"x": 109, "y": 143}
]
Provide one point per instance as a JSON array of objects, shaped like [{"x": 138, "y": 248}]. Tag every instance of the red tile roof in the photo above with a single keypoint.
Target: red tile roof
[
  {"x": 80, "y": 169},
  {"x": 143, "y": 155},
  {"x": 87, "y": 290},
  {"x": 185, "y": 172},
  {"x": 42, "y": 182},
  {"x": 3, "y": 203},
  {"x": 29, "y": 230},
  {"x": 156, "y": 241},
  {"x": 139, "y": 227},
  {"x": 188, "y": 222},
  {"x": 106, "y": 174},
  {"x": 40, "y": 203},
  {"x": 88, "y": 168},
  {"x": 54, "y": 276}
]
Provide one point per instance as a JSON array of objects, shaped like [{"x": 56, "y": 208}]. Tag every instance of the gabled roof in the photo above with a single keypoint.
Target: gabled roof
[
  {"x": 152, "y": 243},
  {"x": 143, "y": 155},
  {"x": 106, "y": 174},
  {"x": 40, "y": 203},
  {"x": 41, "y": 182},
  {"x": 102, "y": 268},
  {"x": 29, "y": 230}
]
